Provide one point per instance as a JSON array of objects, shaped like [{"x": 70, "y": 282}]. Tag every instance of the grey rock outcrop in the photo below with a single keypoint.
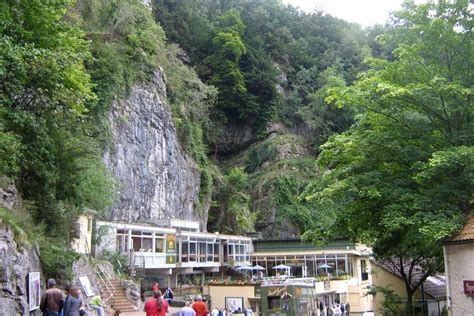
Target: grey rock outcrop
[
  {"x": 15, "y": 261},
  {"x": 15, "y": 264},
  {"x": 133, "y": 293},
  {"x": 8, "y": 193},
  {"x": 158, "y": 180}
]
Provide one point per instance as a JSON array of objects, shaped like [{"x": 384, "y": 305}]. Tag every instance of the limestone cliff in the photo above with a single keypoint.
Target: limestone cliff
[
  {"x": 16, "y": 261},
  {"x": 158, "y": 180}
]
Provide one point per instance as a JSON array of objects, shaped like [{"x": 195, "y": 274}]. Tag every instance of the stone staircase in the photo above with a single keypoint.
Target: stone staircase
[{"x": 118, "y": 300}]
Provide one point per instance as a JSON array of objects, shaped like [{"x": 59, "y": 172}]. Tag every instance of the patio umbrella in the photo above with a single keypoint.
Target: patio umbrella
[
  {"x": 258, "y": 268},
  {"x": 282, "y": 267},
  {"x": 325, "y": 266},
  {"x": 246, "y": 268}
]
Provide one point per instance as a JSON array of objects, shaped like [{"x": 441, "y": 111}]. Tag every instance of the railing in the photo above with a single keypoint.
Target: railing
[
  {"x": 288, "y": 280},
  {"x": 105, "y": 280}
]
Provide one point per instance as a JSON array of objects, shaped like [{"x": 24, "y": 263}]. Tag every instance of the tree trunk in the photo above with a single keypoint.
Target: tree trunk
[{"x": 409, "y": 307}]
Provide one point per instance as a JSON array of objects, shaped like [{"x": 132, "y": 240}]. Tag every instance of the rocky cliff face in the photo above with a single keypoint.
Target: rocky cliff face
[
  {"x": 15, "y": 264},
  {"x": 15, "y": 261},
  {"x": 158, "y": 180}
]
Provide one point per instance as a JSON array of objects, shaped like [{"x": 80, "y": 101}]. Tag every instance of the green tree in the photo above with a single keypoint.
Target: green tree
[
  {"x": 45, "y": 98},
  {"x": 232, "y": 214},
  {"x": 323, "y": 118},
  {"x": 400, "y": 180},
  {"x": 224, "y": 64}
]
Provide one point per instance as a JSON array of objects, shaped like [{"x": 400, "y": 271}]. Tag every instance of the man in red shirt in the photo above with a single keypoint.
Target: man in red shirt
[
  {"x": 200, "y": 307},
  {"x": 157, "y": 306}
]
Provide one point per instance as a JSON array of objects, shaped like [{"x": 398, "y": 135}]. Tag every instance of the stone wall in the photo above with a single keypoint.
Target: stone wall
[{"x": 133, "y": 293}]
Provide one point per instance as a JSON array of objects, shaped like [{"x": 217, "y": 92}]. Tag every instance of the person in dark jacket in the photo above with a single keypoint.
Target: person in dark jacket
[
  {"x": 73, "y": 303},
  {"x": 168, "y": 295},
  {"x": 52, "y": 301}
]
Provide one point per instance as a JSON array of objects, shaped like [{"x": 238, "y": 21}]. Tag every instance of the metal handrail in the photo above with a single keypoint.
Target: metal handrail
[{"x": 106, "y": 281}]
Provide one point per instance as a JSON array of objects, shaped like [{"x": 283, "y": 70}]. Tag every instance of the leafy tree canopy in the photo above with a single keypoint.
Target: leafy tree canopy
[{"x": 400, "y": 179}]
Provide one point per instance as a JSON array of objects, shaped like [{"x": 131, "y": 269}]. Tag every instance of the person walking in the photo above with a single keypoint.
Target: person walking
[
  {"x": 97, "y": 305},
  {"x": 157, "y": 306},
  {"x": 73, "y": 303},
  {"x": 52, "y": 301},
  {"x": 168, "y": 295},
  {"x": 215, "y": 312},
  {"x": 187, "y": 310},
  {"x": 249, "y": 311},
  {"x": 337, "y": 310},
  {"x": 200, "y": 307}
]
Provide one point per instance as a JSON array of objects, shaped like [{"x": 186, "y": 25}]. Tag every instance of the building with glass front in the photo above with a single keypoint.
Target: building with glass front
[
  {"x": 177, "y": 249},
  {"x": 177, "y": 254},
  {"x": 338, "y": 273}
]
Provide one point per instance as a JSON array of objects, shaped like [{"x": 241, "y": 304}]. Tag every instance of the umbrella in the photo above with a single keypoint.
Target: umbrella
[
  {"x": 242, "y": 268},
  {"x": 258, "y": 268},
  {"x": 282, "y": 266},
  {"x": 325, "y": 266}
]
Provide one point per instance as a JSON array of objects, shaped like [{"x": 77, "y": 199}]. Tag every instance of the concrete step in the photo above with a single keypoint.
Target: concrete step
[{"x": 123, "y": 308}]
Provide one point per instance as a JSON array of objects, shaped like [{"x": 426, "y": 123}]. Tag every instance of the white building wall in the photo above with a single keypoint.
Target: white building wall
[
  {"x": 83, "y": 244},
  {"x": 459, "y": 262}
]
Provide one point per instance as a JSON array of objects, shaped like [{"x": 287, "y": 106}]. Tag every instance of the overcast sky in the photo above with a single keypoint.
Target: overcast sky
[{"x": 364, "y": 12}]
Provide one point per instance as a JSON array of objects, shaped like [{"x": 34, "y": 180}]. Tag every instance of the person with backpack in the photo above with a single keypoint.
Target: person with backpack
[{"x": 168, "y": 295}]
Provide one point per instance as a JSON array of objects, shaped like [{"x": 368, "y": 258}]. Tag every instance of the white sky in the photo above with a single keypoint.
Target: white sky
[{"x": 364, "y": 12}]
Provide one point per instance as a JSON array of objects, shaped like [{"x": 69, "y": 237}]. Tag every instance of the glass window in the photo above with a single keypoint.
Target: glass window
[
  {"x": 185, "y": 252},
  {"x": 192, "y": 251},
  {"x": 147, "y": 244},
  {"x": 341, "y": 266},
  {"x": 137, "y": 243},
  {"x": 202, "y": 252},
  {"x": 210, "y": 252},
  {"x": 216, "y": 252},
  {"x": 363, "y": 270},
  {"x": 159, "y": 245}
]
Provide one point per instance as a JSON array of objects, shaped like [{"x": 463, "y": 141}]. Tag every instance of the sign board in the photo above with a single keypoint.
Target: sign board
[
  {"x": 170, "y": 249},
  {"x": 234, "y": 303},
  {"x": 86, "y": 285},
  {"x": 34, "y": 290},
  {"x": 468, "y": 287}
]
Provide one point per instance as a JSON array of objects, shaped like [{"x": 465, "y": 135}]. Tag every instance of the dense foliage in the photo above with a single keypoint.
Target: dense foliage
[
  {"x": 45, "y": 96},
  {"x": 400, "y": 179},
  {"x": 242, "y": 47},
  {"x": 269, "y": 63}
]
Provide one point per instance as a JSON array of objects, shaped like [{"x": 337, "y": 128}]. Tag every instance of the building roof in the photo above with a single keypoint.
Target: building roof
[
  {"x": 297, "y": 245},
  {"x": 467, "y": 232}
]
